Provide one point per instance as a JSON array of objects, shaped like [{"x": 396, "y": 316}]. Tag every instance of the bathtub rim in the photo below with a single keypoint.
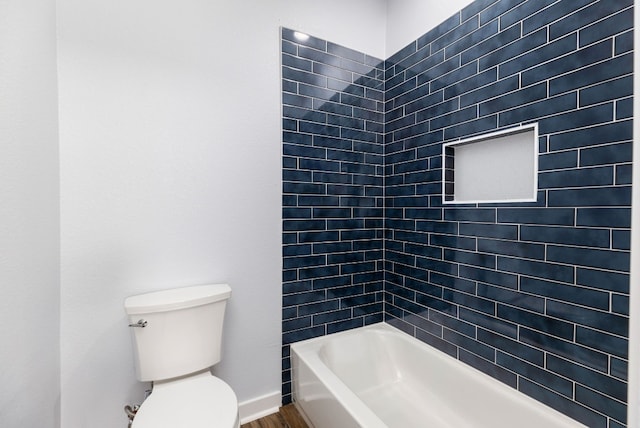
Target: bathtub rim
[{"x": 308, "y": 351}]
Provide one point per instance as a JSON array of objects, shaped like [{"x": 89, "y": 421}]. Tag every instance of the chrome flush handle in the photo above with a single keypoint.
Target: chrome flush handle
[{"x": 140, "y": 323}]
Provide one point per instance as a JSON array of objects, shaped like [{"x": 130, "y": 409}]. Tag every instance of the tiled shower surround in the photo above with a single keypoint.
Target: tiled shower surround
[{"x": 533, "y": 294}]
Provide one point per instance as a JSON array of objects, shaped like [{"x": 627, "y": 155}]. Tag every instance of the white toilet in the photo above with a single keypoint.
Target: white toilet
[{"x": 177, "y": 336}]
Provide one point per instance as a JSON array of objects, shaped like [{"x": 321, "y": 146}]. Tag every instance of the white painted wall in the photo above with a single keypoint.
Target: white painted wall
[
  {"x": 170, "y": 149},
  {"x": 29, "y": 218},
  {"x": 409, "y": 19}
]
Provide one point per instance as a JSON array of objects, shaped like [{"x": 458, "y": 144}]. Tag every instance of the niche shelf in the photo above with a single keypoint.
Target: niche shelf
[{"x": 498, "y": 167}]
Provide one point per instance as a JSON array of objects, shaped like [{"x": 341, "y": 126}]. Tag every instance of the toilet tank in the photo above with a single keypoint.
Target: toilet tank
[{"x": 182, "y": 332}]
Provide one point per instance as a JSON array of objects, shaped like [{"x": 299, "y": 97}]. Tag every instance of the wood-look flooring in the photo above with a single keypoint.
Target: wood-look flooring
[{"x": 287, "y": 417}]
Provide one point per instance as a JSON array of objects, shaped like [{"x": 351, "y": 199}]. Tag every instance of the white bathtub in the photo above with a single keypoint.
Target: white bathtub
[{"x": 380, "y": 377}]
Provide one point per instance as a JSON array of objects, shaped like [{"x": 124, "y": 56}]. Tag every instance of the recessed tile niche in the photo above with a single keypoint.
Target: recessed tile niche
[{"x": 497, "y": 167}]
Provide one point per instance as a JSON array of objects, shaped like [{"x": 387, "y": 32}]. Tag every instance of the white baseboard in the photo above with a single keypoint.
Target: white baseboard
[{"x": 256, "y": 408}]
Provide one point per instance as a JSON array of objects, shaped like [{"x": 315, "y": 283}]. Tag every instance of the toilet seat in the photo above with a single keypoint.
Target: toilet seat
[{"x": 197, "y": 401}]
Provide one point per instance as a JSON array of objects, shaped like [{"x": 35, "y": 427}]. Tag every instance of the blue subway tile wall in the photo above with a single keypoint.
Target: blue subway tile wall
[
  {"x": 534, "y": 294},
  {"x": 333, "y": 190}
]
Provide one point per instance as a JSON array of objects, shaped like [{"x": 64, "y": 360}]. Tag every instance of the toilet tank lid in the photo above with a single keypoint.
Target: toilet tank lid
[{"x": 176, "y": 298}]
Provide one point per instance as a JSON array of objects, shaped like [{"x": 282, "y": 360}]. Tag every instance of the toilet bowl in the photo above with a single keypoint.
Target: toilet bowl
[
  {"x": 177, "y": 337},
  {"x": 201, "y": 401}
]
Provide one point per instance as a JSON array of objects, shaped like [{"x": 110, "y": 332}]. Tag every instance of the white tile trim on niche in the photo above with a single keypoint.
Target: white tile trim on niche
[{"x": 498, "y": 167}]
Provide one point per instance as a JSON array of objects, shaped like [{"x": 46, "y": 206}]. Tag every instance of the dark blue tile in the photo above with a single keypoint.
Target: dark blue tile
[
  {"x": 498, "y": 9},
  {"x": 604, "y": 280},
  {"x": 519, "y": 98},
  {"x": 471, "y": 127},
  {"x": 489, "y": 276},
  {"x": 318, "y": 56},
  {"x": 537, "y": 56},
  {"x": 604, "y": 259},
  {"x": 323, "y": 283},
  {"x": 296, "y": 287},
  {"x": 558, "y": 160},
  {"x": 575, "y": 119},
  {"x": 604, "y": 342},
  {"x": 591, "y": 197},
  {"x": 469, "y": 344},
  {"x": 584, "y": 177},
  {"x": 303, "y": 334},
  {"x": 536, "y": 269},
  {"x": 304, "y": 76},
  {"x": 472, "y": 39},
  {"x": 624, "y": 109},
  {"x": 338, "y": 326},
  {"x": 538, "y": 322},
  {"x": 442, "y": 345},
  {"x": 604, "y": 321},
  {"x": 302, "y": 298},
  {"x": 602, "y": 134},
  {"x": 510, "y": 248},
  {"x": 288, "y": 34},
  {"x": 457, "y": 33},
  {"x": 619, "y": 369},
  {"x": 601, "y": 403},
  {"x": 295, "y": 175},
  {"x": 442, "y": 28},
  {"x": 454, "y": 117},
  {"x": 296, "y": 250},
  {"x": 620, "y": 304},
  {"x": 318, "y": 201},
  {"x": 552, "y": 13},
  {"x": 586, "y": 237},
  {"x": 303, "y": 188},
  {"x": 513, "y": 298},
  {"x": 534, "y": 371},
  {"x": 345, "y": 52},
  {"x": 297, "y": 100},
  {"x": 345, "y": 258},
  {"x": 469, "y": 258},
  {"x": 562, "y": 404},
  {"x": 465, "y": 86},
  {"x": 470, "y": 214},
  {"x": 567, "y": 293},
  {"x": 345, "y": 189},
  {"x": 475, "y": 8},
  {"x": 544, "y": 216},
  {"x": 296, "y": 213},
  {"x": 523, "y": 11},
  {"x": 592, "y": 13},
  {"x": 605, "y": 384},
  {"x": 581, "y": 58},
  {"x": 623, "y": 43},
  {"x": 296, "y": 324},
  {"x": 318, "y": 307},
  {"x": 575, "y": 352},
  {"x": 449, "y": 241},
  {"x": 501, "y": 87},
  {"x": 489, "y": 230},
  {"x": 613, "y": 153},
  {"x": 469, "y": 301},
  {"x": 489, "y": 322},
  {"x": 610, "y": 90},
  {"x": 502, "y": 38},
  {"x": 497, "y": 372},
  {"x": 621, "y": 239},
  {"x": 303, "y": 151},
  {"x": 610, "y": 69},
  {"x": 315, "y": 272},
  {"x": 299, "y": 225}
]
